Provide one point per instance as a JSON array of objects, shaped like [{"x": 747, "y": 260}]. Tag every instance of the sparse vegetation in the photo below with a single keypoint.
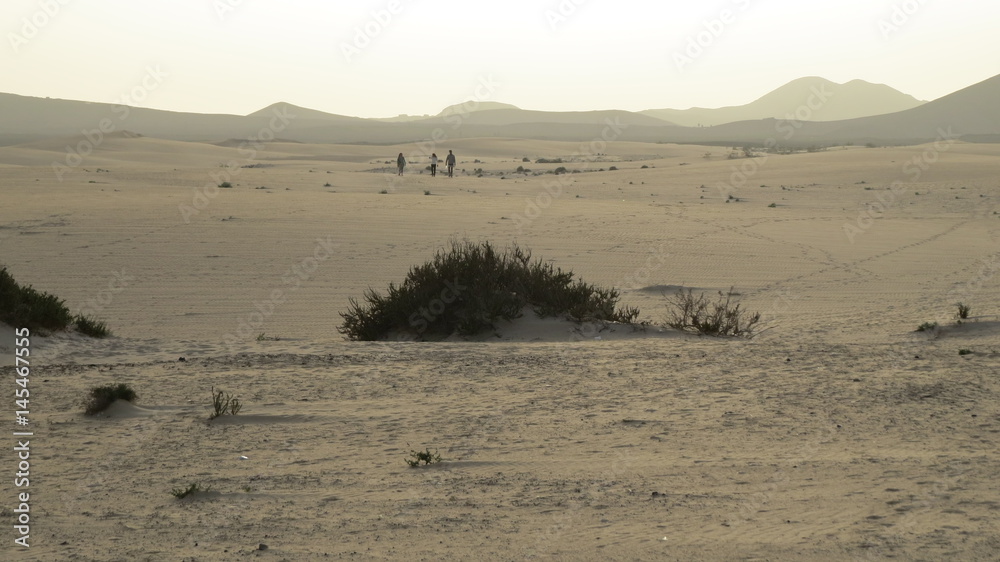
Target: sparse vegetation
[
  {"x": 964, "y": 351},
  {"x": 223, "y": 404},
  {"x": 91, "y": 327},
  {"x": 963, "y": 311},
  {"x": 181, "y": 493},
  {"x": 101, "y": 397},
  {"x": 427, "y": 192},
  {"x": 225, "y": 184},
  {"x": 469, "y": 287},
  {"x": 549, "y": 161},
  {"x": 560, "y": 170},
  {"x": 425, "y": 456},
  {"x": 928, "y": 327},
  {"x": 724, "y": 317}
]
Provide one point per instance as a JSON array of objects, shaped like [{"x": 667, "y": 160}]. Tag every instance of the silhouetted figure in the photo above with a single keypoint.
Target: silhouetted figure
[
  {"x": 400, "y": 163},
  {"x": 450, "y": 161},
  {"x": 434, "y": 164}
]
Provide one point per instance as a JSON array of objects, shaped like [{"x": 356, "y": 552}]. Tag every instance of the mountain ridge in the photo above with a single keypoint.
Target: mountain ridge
[{"x": 971, "y": 112}]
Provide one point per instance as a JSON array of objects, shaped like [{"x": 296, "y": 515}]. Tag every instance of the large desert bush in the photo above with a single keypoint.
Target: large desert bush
[
  {"x": 26, "y": 307},
  {"x": 471, "y": 286}
]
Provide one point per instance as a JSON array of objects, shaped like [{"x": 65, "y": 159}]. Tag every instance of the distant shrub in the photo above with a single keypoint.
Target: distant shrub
[
  {"x": 928, "y": 327},
  {"x": 612, "y": 168},
  {"x": 724, "y": 317},
  {"x": 963, "y": 311},
  {"x": 101, "y": 397},
  {"x": 469, "y": 287},
  {"x": 549, "y": 161},
  {"x": 181, "y": 493},
  {"x": 223, "y": 404},
  {"x": 560, "y": 170},
  {"x": 425, "y": 456},
  {"x": 225, "y": 184},
  {"x": 525, "y": 159}
]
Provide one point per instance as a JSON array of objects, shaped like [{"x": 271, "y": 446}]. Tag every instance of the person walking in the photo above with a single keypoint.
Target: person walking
[
  {"x": 450, "y": 162},
  {"x": 400, "y": 163},
  {"x": 434, "y": 164}
]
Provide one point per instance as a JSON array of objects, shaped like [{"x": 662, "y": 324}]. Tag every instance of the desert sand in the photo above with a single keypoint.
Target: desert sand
[{"x": 839, "y": 433}]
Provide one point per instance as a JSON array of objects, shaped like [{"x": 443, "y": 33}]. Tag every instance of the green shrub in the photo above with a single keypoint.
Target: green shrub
[
  {"x": 91, "y": 327},
  {"x": 724, "y": 317},
  {"x": 25, "y": 307},
  {"x": 928, "y": 327},
  {"x": 225, "y": 185},
  {"x": 963, "y": 311},
  {"x": 470, "y": 287},
  {"x": 101, "y": 397},
  {"x": 964, "y": 351},
  {"x": 425, "y": 456},
  {"x": 223, "y": 404},
  {"x": 181, "y": 493}
]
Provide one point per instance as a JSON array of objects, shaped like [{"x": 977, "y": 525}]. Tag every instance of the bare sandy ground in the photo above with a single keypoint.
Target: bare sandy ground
[{"x": 837, "y": 434}]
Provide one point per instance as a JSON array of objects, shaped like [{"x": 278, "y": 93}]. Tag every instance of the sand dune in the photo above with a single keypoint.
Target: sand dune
[{"x": 838, "y": 434}]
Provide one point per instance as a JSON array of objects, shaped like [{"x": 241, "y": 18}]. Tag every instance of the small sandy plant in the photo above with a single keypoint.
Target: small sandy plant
[
  {"x": 223, "y": 404},
  {"x": 723, "y": 317},
  {"x": 425, "y": 456},
  {"x": 101, "y": 397},
  {"x": 181, "y": 493},
  {"x": 963, "y": 311}
]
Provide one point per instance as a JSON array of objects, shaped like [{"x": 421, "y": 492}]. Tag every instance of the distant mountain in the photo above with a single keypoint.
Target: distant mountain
[
  {"x": 515, "y": 116},
  {"x": 300, "y": 113},
  {"x": 972, "y": 113},
  {"x": 24, "y": 119},
  {"x": 810, "y": 99},
  {"x": 459, "y": 108}
]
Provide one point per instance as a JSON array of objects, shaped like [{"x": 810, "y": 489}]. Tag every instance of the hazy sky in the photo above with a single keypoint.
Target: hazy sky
[{"x": 382, "y": 58}]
